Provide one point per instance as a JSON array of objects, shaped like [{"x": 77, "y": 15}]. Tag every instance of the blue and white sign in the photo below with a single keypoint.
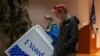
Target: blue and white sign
[{"x": 35, "y": 42}]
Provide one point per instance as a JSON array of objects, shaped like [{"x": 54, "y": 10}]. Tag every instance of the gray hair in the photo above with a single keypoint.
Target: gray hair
[{"x": 48, "y": 17}]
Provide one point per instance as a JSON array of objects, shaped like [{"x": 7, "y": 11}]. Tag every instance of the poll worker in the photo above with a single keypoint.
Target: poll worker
[{"x": 52, "y": 28}]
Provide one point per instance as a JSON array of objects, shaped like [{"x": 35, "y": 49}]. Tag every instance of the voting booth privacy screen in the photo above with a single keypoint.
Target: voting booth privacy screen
[{"x": 35, "y": 42}]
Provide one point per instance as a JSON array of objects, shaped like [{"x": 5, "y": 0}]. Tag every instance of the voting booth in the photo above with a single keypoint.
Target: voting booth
[{"x": 35, "y": 42}]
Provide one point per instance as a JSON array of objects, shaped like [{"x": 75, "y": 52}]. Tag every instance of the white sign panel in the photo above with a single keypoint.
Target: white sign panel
[{"x": 35, "y": 42}]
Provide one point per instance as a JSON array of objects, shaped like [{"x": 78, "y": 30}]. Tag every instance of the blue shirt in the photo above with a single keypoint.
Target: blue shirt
[{"x": 53, "y": 31}]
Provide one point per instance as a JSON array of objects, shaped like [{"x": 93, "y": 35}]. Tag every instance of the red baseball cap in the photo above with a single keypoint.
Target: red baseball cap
[{"x": 59, "y": 7}]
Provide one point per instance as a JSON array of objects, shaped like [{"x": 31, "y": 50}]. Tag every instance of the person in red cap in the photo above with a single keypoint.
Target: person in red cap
[{"x": 68, "y": 34}]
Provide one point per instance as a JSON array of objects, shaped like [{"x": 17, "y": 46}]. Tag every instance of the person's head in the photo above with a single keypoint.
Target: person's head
[
  {"x": 48, "y": 19},
  {"x": 60, "y": 11}
]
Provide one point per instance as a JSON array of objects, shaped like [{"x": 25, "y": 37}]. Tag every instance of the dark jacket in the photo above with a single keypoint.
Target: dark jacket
[{"x": 68, "y": 37}]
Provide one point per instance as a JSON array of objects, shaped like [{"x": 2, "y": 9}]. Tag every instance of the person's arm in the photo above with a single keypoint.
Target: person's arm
[{"x": 73, "y": 34}]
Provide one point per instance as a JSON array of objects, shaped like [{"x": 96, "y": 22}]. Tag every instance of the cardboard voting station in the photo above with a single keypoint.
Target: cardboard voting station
[{"x": 35, "y": 42}]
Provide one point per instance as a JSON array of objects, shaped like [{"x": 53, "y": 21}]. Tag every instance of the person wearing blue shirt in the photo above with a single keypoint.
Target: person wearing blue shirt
[{"x": 52, "y": 28}]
